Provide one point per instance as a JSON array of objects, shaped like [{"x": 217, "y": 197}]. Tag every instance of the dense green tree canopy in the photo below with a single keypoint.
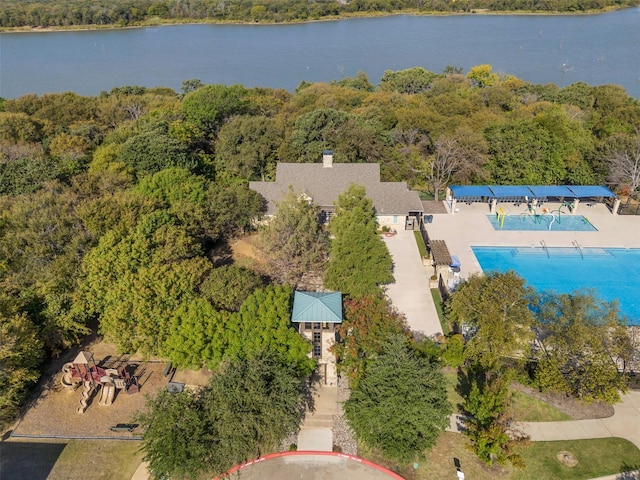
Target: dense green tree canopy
[
  {"x": 369, "y": 322},
  {"x": 248, "y": 408},
  {"x": 209, "y": 106},
  {"x": 582, "y": 342},
  {"x": 359, "y": 261},
  {"x": 125, "y": 194},
  {"x": 293, "y": 242},
  {"x": 495, "y": 309},
  {"x": 400, "y": 406},
  {"x": 247, "y": 148}
]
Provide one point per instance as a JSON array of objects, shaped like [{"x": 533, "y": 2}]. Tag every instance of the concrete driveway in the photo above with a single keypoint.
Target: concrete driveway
[{"x": 410, "y": 293}]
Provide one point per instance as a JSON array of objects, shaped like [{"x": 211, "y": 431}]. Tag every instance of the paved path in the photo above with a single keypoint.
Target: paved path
[
  {"x": 625, "y": 423},
  {"x": 410, "y": 293},
  {"x": 316, "y": 433}
]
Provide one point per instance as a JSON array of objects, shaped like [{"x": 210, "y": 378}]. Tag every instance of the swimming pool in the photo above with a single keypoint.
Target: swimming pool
[
  {"x": 613, "y": 273},
  {"x": 547, "y": 221}
]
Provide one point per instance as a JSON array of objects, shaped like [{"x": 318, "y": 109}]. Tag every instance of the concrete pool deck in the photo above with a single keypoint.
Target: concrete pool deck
[{"x": 469, "y": 227}]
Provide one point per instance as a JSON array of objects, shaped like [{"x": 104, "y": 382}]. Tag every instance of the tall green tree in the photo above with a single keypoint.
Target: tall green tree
[
  {"x": 209, "y": 106},
  {"x": 488, "y": 425},
  {"x": 293, "y": 241},
  {"x": 369, "y": 322},
  {"x": 228, "y": 286},
  {"x": 248, "y": 408},
  {"x": 412, "y": 80},
  {"x": 263, "y": 324},
  {"x": 400, "y": 406},
  {"x": 20, "y": 355},
  {"x": 247, "y": 148},
  {"x": 178, "y": 435},
  {"x": 359, "y": 261},
  {"x": 495, "y": 309}
]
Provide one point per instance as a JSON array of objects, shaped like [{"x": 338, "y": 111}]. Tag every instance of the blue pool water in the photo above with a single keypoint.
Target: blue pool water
[
  {"x": 613, "y": 273},
  {"x": 563, "y": 223}
]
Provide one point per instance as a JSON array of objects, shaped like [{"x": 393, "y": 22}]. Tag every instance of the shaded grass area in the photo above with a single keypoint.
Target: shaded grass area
[
  {"x": 524, "y": 409},
  {"x": 529, "y": 409},
  {"x": 437, "y": 300},
  {"x": 440, "y": 464},
  {"x": 596, "y": 457},
  {"x": 32, "y": 460},
  {"x": 97, "y": 460}
]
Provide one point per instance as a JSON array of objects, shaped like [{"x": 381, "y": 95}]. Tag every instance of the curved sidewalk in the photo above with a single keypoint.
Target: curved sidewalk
[{"x": 625, "y": 423}]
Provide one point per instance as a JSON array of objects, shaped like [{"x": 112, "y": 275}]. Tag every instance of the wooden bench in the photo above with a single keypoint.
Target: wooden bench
[{"x": 123, "y": 427}]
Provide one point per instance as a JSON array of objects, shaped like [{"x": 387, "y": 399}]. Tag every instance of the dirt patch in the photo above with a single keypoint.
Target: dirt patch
[
  {"x": 52, "y": 413},
  {"x": 245, "y": 251},
  {"x": 574, "y": 408}
]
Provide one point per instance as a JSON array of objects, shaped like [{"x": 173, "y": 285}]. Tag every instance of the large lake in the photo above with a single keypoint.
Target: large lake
[{"x": 597, "y": 49}]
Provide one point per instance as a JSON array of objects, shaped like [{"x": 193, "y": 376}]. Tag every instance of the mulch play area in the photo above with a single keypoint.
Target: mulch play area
[{"x": 53, "y": 413}]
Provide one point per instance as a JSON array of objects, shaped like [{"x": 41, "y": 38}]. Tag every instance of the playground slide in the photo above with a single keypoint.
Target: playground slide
[{"x": 108, "y": 391}]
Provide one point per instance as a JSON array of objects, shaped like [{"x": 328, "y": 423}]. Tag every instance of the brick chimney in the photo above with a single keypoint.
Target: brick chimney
[{"x": 327, "y": 159}]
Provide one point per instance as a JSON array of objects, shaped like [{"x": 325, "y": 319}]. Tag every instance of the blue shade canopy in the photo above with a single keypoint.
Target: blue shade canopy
[
  {"x": 455, "y": 261},
  {"x": 461, "y": 191},
  {"x": 317, "y": 307},
  {"x": 591, "y": 191},
  {"x": 532, "y": 191},
  {"x": 544, "y": 191},
  {"x": 500, "y": 191}
]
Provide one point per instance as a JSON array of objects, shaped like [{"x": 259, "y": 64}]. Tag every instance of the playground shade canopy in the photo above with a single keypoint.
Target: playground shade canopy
[{"x": 478, "y": 192}]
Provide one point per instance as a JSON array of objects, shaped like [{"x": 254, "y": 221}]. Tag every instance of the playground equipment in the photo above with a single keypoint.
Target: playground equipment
[
  {"x": 83, "y": 370},
  {"x": 501, "y": 214}
]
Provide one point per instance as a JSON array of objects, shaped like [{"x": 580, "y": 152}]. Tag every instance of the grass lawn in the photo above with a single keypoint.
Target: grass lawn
[
  {"x": 435, "y": 293},
  {"x": 97, "y": 460},
  {"x": 528, "y": 409},
  {"x": 524, "y": 408},
  {"x": 421, "y": 246},
  {"x": 597, "y": 457}
]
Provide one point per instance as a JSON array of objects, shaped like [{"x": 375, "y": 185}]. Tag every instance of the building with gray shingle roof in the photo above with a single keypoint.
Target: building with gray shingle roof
[{"x": 395, "y": 204}]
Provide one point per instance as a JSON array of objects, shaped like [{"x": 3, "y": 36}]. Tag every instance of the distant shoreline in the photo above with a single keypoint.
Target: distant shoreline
[{"x": 175, "y": 22}]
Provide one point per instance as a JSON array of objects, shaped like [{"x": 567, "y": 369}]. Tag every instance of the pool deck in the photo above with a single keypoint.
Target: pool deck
[{"x": 469, "y": 227}]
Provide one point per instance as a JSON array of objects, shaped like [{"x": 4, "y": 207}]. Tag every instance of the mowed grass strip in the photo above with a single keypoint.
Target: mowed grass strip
[
  {"x": 524, "y": 409},
  {"x": 97, "y": 459},
  {"x": 529, "y": 409},
  {"x": 596, "y": 458}
]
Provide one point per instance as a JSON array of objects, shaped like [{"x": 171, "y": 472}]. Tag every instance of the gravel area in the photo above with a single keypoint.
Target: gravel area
[{"x": 343, "y": 436}]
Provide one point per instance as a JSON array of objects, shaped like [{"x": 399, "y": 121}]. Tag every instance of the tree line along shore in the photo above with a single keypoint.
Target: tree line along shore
[{"x": 40, "y": 14}]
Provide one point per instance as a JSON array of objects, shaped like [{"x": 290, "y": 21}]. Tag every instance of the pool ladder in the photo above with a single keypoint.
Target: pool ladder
[
  {"x": 544, "y": 245},
  {"x": 579, "y": 248}
]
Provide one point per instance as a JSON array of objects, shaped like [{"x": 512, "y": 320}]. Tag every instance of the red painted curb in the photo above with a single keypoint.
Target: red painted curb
[{"x": 315, "y": 454}]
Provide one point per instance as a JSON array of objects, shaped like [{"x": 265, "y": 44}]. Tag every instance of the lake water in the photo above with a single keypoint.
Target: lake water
[{"x": 597, "y": 49}]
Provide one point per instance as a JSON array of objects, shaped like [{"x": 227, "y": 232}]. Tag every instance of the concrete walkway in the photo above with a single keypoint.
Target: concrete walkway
[
  {"x": 316, "y": 433},
  {"x": 410, "y": 293},
  {"x": 625, "y": 423}
]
